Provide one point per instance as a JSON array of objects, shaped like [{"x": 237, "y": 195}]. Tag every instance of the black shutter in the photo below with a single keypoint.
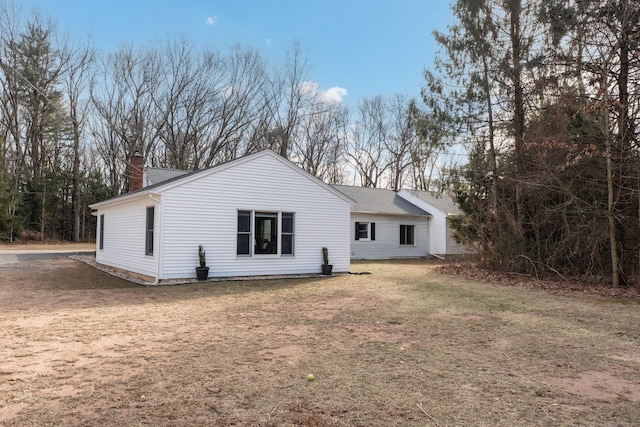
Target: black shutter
[
  {"x": 357, "y": 230},
  {"x": 373, "y": 231}
]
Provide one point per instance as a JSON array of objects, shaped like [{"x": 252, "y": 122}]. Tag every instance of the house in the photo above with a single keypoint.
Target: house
[
  {"x": 384, "y": 225},
  {"x": 255, "y": 215},
  {"x": 442, "y": 208},
  {"x": 408, "y": 223}
]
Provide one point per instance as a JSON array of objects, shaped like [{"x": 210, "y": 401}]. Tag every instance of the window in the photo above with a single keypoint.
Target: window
[
  {"x": 266, "y": 233},
  {"x": 272, "y": 233},
  {"x": 407, "y": 235},
  {"x": 101, "y": 237},
  {"x": 244, "y": 233},
  {"x": 148, "y": 246},
  {"x": 365, "y": 231},
  {"x": 287, "y": 233}
]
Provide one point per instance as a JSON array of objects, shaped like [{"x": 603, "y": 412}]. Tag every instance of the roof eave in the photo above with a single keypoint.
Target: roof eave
[
  {"x": 393, "y": 213},
  {"x": 125, "y": 198}
]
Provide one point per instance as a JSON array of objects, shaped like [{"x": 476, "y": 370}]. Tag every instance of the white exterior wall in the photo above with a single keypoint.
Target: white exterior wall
[
  {"x": 441, "y": 240},
  {"x": 204, "y": 211},
  {"x": 387, "y": 242},
  {"x": 124, "y": 237},
  {"x": 455, "y": 248},
  {"x": 439, "y": 232}
]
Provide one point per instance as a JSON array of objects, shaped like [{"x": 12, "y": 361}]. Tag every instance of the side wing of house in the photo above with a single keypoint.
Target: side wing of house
[
  {"x": 378, "y": 236},
  {"x": 125, "y": 237},
  {"x": 441, "y": 237},
  {"x": 260, "y": 215},
  {"x": 384, "y": 225}
]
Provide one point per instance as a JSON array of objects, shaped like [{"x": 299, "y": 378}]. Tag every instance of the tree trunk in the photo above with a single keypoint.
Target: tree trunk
[
  {"x": 615, "y": 273},
  {"x": 518, "y": 110},
  {"x": 76, "y": 178}
]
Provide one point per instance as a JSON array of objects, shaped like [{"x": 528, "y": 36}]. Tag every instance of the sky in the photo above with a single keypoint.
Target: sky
[{"x": 355, "y": 48}]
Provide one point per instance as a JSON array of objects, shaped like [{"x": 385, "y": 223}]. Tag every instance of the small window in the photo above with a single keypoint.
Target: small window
[
  {"x": 407, "y": 235},
  {"x": 244, "y": 233},
  {"x": 365, "y": 231},
  {"x": 101, "y": 236},
  {"x": 287, "y": 233},
  {"x": 148, "y": 247}
]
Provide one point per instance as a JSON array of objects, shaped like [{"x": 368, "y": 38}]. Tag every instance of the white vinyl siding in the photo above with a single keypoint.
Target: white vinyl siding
[
  {"x": 205, "y": 211},
  {"x": 125, "y": 236},
  {"x": 453, "y": 246},
  {"x": 441, "y": 241},
  {"x": 202, "y": 209},
  {"x": 387, "y": 238}
]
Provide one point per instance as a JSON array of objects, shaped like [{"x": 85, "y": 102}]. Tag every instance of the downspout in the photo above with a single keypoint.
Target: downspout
[{"x": 160, "y": 249}]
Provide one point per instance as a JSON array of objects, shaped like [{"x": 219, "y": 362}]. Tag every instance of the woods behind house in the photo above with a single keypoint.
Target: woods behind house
[{"x": 529, "y": 117}]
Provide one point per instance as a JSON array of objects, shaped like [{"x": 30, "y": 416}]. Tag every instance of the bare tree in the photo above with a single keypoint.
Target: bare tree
[
  {"x": 188, "y": 104},
  {"x": 285, "y": 101},
  {"x": 127, "y": 117},
  {"x": 401, "y": 137},
  {"x": 366, "y": 152},
  {"x": 239, "y": 104},
  {"x": 77, "y": 81},
  {"x": 320, "y": 141}
]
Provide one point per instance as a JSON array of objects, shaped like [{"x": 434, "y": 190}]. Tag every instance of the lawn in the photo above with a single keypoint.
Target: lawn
[{"x": 402, "y": 346}]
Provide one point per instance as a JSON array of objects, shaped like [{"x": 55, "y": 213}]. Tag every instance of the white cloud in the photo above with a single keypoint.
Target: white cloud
[
  {"x": 311, "y": 88},
  {"x": 333, "y": 94},
  {"x": 211, "y": 20},
  {"x": 269, "y": 41}
]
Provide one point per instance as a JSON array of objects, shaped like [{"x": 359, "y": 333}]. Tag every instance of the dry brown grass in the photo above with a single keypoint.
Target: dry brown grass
[{"x": 403, "y": 346}]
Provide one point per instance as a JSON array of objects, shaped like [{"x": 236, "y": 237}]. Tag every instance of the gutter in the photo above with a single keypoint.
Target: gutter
[{"x": 160, "y": 223}]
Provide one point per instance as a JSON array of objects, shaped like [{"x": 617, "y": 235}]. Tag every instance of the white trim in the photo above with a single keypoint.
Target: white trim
[{"x": 158, "y": 251}]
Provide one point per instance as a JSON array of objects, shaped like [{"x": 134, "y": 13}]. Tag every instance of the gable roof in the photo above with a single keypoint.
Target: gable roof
[
  {"x": 379, "y": 201},
  {"x": 439, "y": 200},
  {"x": 183, "y": 178}
]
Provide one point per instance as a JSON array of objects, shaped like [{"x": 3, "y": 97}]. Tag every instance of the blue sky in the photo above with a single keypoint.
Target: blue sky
[{"x": 366, "y": 47}]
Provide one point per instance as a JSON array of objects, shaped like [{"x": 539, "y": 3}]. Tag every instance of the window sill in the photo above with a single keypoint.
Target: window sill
[{"x": 265, "y": 256}]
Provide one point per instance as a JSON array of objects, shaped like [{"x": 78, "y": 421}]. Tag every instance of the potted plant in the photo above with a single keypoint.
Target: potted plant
[
  {"x": 202, "y": 272},
  {"x": 326, "y": 267}
]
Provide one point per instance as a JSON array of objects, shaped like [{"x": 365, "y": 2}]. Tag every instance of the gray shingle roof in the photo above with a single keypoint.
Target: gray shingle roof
[
  {"x": 439, "y": 200},
  {"x": 379, "y": 200},
  {"x": 158, "y": 175}
]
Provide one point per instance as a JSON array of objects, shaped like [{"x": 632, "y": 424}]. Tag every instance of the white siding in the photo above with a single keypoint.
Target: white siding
[
  {"x": 204, "y": 211},
  {"x": 453, "y": 247},
  {"x": 124, "y": 237},
  {"x": 438, "y": 231},
  {"x": 438, "y": 228},
  {"x": 441, "y": 240},
  {"x": 387, "y": 240}
]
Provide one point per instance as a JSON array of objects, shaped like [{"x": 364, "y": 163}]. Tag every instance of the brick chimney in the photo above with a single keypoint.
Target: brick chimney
[{"x": 136, "y": 163}]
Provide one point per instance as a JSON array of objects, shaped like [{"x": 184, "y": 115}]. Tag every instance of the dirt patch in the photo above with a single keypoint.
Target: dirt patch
[
  {"x": 403, "y": 346},
  {"x": 599, "y": 385}
]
